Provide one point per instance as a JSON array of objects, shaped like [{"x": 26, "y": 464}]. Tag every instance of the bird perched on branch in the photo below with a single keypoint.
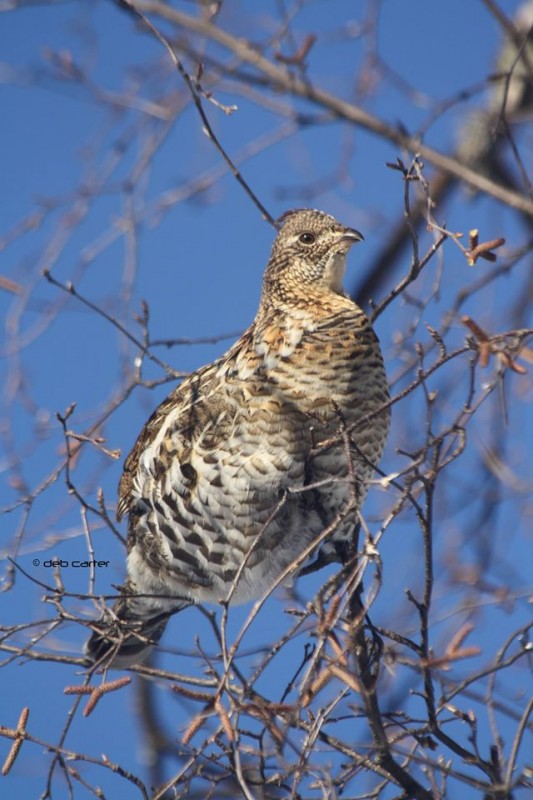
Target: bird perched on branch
[{"x": 254, "y": 457}]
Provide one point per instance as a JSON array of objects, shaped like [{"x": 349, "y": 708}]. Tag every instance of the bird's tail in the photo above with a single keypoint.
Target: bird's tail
[{"x": 126, "y": 634}]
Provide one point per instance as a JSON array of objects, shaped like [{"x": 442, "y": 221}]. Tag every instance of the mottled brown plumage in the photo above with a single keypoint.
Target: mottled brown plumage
[{"x": 207, "y": 484}]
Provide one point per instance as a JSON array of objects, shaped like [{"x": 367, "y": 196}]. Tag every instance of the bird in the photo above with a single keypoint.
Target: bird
[{"x": 253, "y": 457}]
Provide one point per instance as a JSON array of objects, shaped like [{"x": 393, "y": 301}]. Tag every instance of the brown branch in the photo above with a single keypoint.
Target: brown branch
[
  {"x": 282, "y": 80},
  {"x": 136, "y": 9}
]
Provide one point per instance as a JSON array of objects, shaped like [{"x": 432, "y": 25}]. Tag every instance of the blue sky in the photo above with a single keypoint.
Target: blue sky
[{"x": 198, "y": 264}]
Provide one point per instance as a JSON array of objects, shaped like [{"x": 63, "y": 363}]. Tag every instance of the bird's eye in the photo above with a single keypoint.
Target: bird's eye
[{"x": 307, "y": 238}]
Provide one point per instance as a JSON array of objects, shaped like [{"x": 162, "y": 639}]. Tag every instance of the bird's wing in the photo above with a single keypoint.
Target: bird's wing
[
  {"x": 194, "y": 403},
  {"x": 184, "y": 396}
]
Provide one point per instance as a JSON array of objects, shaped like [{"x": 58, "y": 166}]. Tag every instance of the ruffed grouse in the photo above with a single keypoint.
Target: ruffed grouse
[{"x": 208, "y": 483}]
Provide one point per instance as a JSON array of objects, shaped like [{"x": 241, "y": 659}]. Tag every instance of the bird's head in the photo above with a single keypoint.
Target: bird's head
[{"x": 310, "y": 251}]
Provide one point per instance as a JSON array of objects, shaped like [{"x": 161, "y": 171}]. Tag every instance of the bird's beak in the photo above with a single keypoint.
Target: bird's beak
[{"x": 350, "y": 236}]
